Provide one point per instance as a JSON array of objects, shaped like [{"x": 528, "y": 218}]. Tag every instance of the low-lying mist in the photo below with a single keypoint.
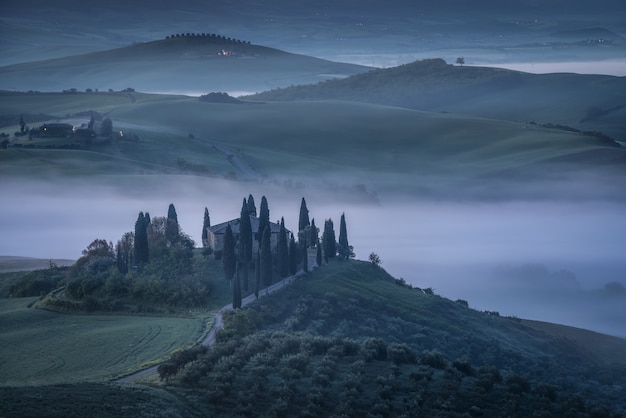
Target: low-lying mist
[{"x": 558, "y": 261}]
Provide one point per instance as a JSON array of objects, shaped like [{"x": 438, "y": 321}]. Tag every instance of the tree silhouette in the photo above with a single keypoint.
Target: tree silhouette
[
  {"x": 282, "y": 251},
  {"x": 245, "y": 242},
  {"x": 229, "y": 259},
  {"x": 206, "y": 223},
  {"x": 266, "y": 258},
  {"x": 264, "y": 218},
  {"x": 344, "y": 247},
  {"x": 142, "y": 253}
]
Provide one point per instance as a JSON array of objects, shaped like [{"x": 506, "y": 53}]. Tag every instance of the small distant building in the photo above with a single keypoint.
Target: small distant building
[
  {"x": 215, "y": 233},
  {"x": 56, "y": 130}
]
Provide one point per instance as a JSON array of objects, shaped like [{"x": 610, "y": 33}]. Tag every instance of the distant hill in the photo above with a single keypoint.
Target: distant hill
[
  {"x": 584, "y": 102},
  {"x": 187, "y": 63}
]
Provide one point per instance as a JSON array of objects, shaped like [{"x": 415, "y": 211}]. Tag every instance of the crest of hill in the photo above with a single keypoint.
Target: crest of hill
[{"x": 179, "y": 63}]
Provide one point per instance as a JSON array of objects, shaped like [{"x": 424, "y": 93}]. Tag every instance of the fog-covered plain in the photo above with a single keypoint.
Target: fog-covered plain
[{"x": 541, "y": 259}]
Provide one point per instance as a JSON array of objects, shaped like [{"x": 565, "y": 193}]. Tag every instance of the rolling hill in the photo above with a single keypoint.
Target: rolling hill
[
  {"x": 315, "y": 142},
  {"x": 332, "y": 342},
  {"x": 189, "y": 63},
  {"x": 584, "y": 102}
]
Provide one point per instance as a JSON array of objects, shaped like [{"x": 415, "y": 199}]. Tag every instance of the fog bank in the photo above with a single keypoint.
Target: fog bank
[{"x": 459, "y": 249}]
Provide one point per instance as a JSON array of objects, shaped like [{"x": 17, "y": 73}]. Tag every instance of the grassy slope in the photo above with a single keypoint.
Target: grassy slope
[
  {"x": 178, "y": 64},
  {"x": 487, "y": 92},
  {"x": 41, "y": 347},
  {"x": 362, "y": 295},
  {"x": 380, "y": 146}
]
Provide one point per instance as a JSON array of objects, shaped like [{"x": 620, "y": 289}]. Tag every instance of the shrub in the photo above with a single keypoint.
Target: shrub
[{"x": 434, "y": 359}]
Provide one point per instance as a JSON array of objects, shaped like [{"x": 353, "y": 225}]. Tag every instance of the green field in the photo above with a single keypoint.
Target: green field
[
  {"x": 384, "y": 148},
  {"x": 41, "y": 347}
]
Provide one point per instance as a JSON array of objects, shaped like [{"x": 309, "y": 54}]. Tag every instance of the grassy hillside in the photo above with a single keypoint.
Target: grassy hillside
[
  {"x": 314, "y": 142},
  {"x": 349, "y": 337},
  {"x": 191, "y": 64},
  {"x": 41, "y": 347},
  {"x": 585, "y": 102}
]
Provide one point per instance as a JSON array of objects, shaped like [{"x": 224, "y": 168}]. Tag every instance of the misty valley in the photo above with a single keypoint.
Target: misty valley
[{"x": 331, "y": 209}]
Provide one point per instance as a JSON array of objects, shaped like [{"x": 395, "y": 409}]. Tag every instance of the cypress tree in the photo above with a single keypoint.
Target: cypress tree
[
  {"x": 171, "y": 213},
  {"x": 245, "y": 242},
  {"x": 328, "y": 240},
  {"x": 257, "y": 274},
  {"x": 303, "y": 221},
  {"x": 266, "y": 259},
  {"x": 172, "y": 232},
  {"x": 206, "y": 223},
  {"x": 305, "y": 256},
  {"x": 236, "y": 290},
  {"x": 318, "y": 256},
  {"x": 251, "y": 206},
  {"x": 229, "y": 259},
  {"x": 264, "y": 218},
  {"x": 293, "y": 256},
  {"x": 344, "y": 247},
  {"x": 314, "y": 238},
  {"x": 282, "y": 251},
  {"x": 142, "y": 253}
]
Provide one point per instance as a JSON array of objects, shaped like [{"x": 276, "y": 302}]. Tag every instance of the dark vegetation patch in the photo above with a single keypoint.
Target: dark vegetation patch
[
  {"x": 334, "y": 344},
  {"x": 90, "y": 400}
]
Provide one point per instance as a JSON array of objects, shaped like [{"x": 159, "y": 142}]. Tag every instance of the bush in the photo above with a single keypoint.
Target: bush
[{"x": 434, "y": 359}]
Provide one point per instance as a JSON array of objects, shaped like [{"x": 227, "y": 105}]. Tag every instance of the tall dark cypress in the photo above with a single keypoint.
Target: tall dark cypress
[
  {"x": 229, "y": 259},
  {"x": 344, "y": 247},
  {"x": 236, "y": 290},
  {"x": 266, "y": 258},
  {"x": 282, "y": 251},
  {"x": 303, "y": 221},
  {"x": 251, "y": 206},
  {"x": 314, "y": 238},
  {"x": 328, "y": 240},
  {"x": 172, "y": 231},
  {"x": 293, "y": 256},
  {"x": 206, "y": 223},
  {"x": 257, "y": 274},
  {"x": 245, "y": 242},
  {"x": 264, "y": 218},
  {"x": 318, "y": 256},
  {"x": 305, "y": 256},
  {"x": 142, "y": 254}
]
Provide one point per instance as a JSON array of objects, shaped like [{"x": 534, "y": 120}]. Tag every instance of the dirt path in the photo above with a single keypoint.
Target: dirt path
[{"x": 217, "y": 325}]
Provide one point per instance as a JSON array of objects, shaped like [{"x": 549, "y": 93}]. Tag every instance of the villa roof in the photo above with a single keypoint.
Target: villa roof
[{"x": 235, "y": 224}]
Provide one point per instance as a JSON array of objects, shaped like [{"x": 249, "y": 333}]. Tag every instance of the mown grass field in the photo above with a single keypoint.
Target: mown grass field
[{"x": 40, "y": 347}]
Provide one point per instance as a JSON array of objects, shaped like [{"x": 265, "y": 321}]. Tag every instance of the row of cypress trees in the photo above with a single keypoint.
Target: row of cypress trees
[{"x": 237, "y": 255}]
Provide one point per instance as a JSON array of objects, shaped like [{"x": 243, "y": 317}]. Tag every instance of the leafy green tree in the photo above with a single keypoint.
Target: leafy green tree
[
  {"x": 303, "y": 221},
  {"x": 282, "y": 251},
  {"x": 229, "y": 259},
  {"x": 293, "y": 256},
  {"x": 142, "y": 252},
  {"x": 245, "y": 242},
  {"x": 375, "y": 259},
  {"x": 251, "y": 206},
  {"x": 344, "y": 247},
  {"x": 328, "y": 240},
  {"x": 266, "y": 258},
  {"x": 124, "y": 252},
  {"x": 264, "y": 218},
  {"x": 106, "y": 129},
  {"x": 206, "y": 223}
]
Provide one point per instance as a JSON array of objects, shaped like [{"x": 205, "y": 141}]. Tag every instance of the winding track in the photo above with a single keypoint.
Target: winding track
[{"x": 217, "y": 325}]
